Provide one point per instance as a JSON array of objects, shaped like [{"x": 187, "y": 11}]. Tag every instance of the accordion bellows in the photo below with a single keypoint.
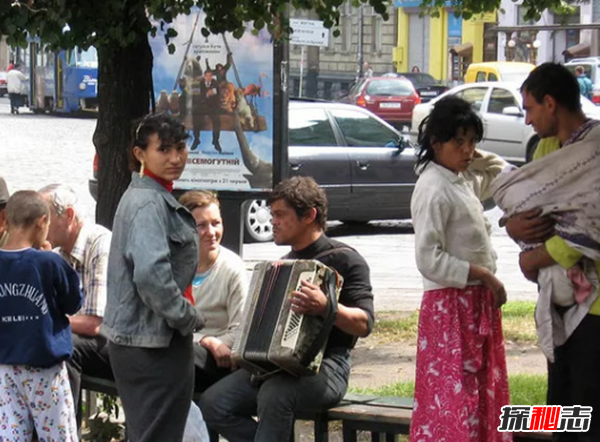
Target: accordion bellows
[{"x": 271, "y": 336}]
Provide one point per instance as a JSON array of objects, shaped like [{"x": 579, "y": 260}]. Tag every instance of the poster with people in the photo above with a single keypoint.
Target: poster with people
[{"x": 221, "y": 88}]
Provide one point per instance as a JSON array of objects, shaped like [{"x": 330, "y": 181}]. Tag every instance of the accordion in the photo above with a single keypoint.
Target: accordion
[{"x": 272, "y": 337}]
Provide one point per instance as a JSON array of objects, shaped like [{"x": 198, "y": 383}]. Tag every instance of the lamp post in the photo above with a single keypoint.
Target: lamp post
[
  {"x": 535, "y": 46},
  {"x": 360, "y": 59},
  {"x": 510, "y": 49}
]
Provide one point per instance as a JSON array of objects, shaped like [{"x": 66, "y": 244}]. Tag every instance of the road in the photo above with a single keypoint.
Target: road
[{"x": 36, "y": 150}]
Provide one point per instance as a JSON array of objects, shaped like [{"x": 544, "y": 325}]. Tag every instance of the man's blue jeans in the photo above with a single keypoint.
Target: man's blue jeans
[{"x": 229, "y": 405}]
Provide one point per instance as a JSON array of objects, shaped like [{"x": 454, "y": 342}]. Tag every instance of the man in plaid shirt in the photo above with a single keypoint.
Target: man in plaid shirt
[{"x": 85, "y": 246}]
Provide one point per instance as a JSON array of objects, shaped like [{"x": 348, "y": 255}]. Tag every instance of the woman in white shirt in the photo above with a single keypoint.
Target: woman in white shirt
[
  {"x": 461, "y": 379},
  {"x": 219, "y": 291}
]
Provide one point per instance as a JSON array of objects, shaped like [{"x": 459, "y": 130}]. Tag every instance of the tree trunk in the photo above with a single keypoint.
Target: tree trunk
[{"x": 124, "y": 94}]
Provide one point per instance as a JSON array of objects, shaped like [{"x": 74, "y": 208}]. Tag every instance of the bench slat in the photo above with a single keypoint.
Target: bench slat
[{"x": 371, "y": 413}]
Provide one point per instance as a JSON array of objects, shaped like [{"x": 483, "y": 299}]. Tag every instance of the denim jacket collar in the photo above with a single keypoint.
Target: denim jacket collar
[{"x": 145, "y": 182}]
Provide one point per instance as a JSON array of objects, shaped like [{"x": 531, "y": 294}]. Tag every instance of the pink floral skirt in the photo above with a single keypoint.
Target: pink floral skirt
[{"x": 461, "y": 380}]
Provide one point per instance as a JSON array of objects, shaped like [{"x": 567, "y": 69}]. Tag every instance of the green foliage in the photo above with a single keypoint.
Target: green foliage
[
  {"x": 528, "y": 389},
  {"x": 468, "y": 8},
  {"x": 405, "y": 328},
  {"x": 524, "y": 389},
  {"x": 517, "y": 322},
  {"x": 101, "y": 428},
  {"x": 121, "y": 22},
  {"x": 518, "y": 309}
]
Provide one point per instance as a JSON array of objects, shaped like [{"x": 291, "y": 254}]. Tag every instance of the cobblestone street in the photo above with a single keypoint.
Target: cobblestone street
[{"x": 36, "y": 150}]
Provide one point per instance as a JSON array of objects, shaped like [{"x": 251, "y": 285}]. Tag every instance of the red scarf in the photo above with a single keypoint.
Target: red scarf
[
  {"x": 166, "y": 184},
  {"x": 169, "y": 186}
]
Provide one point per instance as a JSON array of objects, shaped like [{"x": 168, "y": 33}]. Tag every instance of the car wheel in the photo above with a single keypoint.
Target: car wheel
[
  {"x": 531, "y": 147},
  {"x": 257, "y": 221}
]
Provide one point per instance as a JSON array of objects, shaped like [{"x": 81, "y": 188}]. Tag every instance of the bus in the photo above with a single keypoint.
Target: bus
[{"x": 63, "y": 81}]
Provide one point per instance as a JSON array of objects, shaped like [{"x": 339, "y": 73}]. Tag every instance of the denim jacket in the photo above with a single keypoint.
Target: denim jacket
[{"x": 153, "y": 259}]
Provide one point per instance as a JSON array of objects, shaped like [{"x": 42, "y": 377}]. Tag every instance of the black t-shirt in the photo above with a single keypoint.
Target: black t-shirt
[{"x": 356, "y": 290}]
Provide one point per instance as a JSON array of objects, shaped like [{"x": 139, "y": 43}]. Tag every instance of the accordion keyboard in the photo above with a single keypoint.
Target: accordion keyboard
[{"x": 294, "y": 320}]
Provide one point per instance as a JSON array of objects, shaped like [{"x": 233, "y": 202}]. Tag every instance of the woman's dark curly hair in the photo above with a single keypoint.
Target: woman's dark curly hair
[
  {"x": 169, "y": 130},
  {"x": 447, "y": 117}
]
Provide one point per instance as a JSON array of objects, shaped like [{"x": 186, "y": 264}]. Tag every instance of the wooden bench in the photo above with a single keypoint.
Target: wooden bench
[{"x": 384, "y": 417}]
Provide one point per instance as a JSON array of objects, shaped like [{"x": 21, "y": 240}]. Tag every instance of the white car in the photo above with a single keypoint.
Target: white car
[{"x": 501, "y": 109}]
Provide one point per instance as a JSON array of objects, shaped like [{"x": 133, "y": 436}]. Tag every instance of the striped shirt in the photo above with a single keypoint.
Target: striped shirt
[{"x": 89, "y": 258}]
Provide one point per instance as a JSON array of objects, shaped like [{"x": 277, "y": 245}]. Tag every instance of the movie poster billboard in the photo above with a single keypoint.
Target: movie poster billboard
[{"x": 221, "y": 88}]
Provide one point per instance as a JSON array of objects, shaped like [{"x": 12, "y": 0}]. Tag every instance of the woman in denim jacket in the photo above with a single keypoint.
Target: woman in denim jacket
[{"x": 152, "y": 262}]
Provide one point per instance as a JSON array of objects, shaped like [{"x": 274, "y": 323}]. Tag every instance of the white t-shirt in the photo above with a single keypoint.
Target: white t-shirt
[
  {"x": 220, "y": 297},
  {"x": 16, "y": 82},
  {"x": 451, "y": 230}
]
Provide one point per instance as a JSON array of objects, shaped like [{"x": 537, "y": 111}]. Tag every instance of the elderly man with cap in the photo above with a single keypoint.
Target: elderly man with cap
[
  {"x": 85, "y": 246},
  {"x": 3, "y": 200}
]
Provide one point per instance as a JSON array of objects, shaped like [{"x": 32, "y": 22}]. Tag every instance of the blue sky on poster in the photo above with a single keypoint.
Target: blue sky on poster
[{"x": 253, "y": 56}]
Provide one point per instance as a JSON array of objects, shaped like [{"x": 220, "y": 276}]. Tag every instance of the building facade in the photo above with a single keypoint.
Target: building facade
[
  {"x": 329, "y": 71},
  {"x": 543, "y": 46},
  {"x": 441, "y": 45}
]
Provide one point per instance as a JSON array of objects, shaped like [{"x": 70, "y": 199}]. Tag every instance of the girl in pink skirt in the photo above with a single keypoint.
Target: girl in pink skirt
[{"x": 461, "y": 380}]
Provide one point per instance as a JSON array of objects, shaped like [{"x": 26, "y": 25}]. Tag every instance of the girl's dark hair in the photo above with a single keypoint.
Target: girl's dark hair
[
  {"x": 443, "y": 123},
  {"x": 169, "y": 130}
]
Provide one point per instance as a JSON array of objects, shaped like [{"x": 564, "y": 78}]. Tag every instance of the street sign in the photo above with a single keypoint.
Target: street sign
[{"x": 309, "y": 32}]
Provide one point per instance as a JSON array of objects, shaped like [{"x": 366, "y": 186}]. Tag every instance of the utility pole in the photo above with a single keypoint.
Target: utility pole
[
  {"x": 360, "y": 61},
  {"x": 595, "y": 46}
]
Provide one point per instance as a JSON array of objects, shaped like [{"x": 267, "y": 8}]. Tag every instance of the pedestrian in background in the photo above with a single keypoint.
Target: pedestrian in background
[
  {"x": 35, "y": 336},
  {"x": 153, "y": 259},
  {"x": 585, "y": 84},
  {"x": 16, "y": 85},
  {"x": 461, "y": 378}
]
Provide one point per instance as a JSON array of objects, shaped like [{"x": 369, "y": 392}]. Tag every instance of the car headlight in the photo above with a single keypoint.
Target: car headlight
[{"x": 82, "y": 86}]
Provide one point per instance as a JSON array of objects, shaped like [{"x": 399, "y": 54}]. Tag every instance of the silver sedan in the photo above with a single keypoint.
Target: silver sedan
[{"x": 501, "y": 108}]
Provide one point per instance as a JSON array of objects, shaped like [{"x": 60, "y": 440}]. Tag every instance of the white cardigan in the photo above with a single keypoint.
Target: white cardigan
[{"x": 451, "y": 231}]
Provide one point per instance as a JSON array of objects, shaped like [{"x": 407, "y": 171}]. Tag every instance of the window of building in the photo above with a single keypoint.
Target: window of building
[
  {"x": 377, "y": 33},
  {"x": 573, "y": 35},
  {"x": 347, "y": 27}
]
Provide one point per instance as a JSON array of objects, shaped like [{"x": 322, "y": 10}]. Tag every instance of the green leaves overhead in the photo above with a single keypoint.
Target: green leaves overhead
[
  {"x": 66, "y": 23},
  {"x": 469, "y": 8}
]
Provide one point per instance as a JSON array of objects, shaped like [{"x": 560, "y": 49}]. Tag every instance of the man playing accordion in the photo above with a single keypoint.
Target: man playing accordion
[{"x": 299, "y": 210}]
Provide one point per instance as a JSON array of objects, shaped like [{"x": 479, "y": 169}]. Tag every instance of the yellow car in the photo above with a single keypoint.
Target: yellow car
[{"x": 510, "y": 71}]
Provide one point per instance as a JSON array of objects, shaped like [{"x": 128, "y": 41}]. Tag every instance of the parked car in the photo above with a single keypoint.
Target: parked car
[
  {"x": 427, "y": 87},
  {"x": 591, "y": 66},
  {"x": 392, "y": 99},
  {"x": 501, "y": 108},
  {"x": 365, "y": 165},
  {"x": 3, "y": 85},
  {"x": 509, "y": 71}
]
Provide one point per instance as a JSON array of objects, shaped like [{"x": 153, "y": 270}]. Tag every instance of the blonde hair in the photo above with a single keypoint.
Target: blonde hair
[{"x": 199, "y": 198}]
